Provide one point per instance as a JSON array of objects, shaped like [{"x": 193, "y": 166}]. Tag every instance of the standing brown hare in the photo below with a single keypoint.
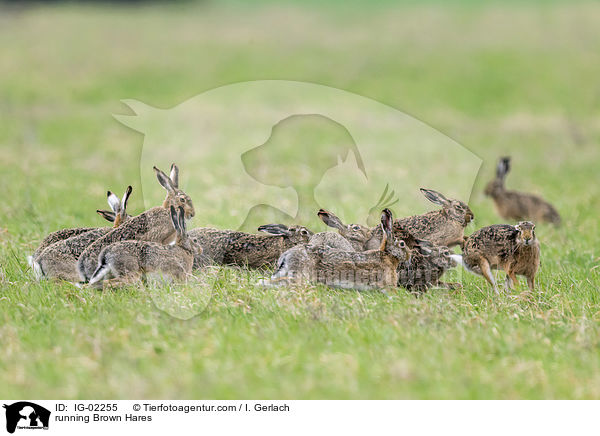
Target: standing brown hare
[{"x": 514, "y": 249}]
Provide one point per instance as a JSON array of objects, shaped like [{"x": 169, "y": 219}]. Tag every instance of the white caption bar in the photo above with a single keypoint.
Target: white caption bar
[{"x": 274, "y": 417}]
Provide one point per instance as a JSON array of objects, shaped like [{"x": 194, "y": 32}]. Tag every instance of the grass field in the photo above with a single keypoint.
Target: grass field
[{"x": 499, "y": 78}]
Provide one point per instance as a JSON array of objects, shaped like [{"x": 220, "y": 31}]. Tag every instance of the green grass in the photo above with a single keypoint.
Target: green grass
[{"x": 498, "y": 78}]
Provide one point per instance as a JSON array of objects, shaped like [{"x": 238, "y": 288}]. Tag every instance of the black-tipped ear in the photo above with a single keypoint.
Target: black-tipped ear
[
  {"x": 503, "y": 167},
  {"x": 107, "y": 215},
  {"x": 164, "y": 181},
  {"x": 275, "y": 229},
  {"x": 174, "y": 218},
  {"x": 330, "y": 219},
  {"x": 174, "y": 176},
  {"x": 181, "y": 216},
  {"x": 434, "y": 196},
  {"x": 125, "y": 199},
  {"x": 387, "y": 221}
]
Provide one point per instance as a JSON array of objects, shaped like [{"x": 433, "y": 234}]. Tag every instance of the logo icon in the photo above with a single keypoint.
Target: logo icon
[{"x": 26, "y": 415}]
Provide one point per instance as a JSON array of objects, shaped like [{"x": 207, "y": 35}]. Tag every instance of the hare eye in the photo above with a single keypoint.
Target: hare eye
[
  {"x": 182, "y": 200},
  {"x": 355, "y": 227},
  {"x": 402, "y": 244}
]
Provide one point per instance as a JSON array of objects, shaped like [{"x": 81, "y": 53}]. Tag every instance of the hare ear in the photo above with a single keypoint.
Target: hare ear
[
  {"x": 174, "y": 218},
  {"x": 125, "y": 199},
  {"x": 113, "y": 201},
  {"x": 387, "y": 222},
  {"x": 174, "y": 176},
  {"x": 518, "y": 226},
  {"x": 330, "y": 219},
  {"x": 435, "y": 197},
  {"x": 181, "y": 217},
  {"x": 503, "y": 167},
  {"x": 107, "y": 215},
  {"x": 164, "y": 181},
  {"x": 275, "y": 229}
]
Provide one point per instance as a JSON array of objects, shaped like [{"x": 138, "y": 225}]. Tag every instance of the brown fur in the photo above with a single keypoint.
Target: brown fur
[
  {"x": 427, "y": 262},
  {"x": 228, "y": 247},
  {"x": 127, "y": 261},
  {"x": 513, "y": 205},
  {"x": 59, "y": 260},
  {"x": 514, "y": 249},
  {"x": 116, "y": 216},
  {"x": 153, "y": 225},
  {"x": 345, "y": 269}
]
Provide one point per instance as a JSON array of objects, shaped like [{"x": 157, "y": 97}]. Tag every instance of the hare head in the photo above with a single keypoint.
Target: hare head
[
  {"x": 184, "y": 240},
  {"x": 356, "y": 234},
  {"x": 175, "y": 196},
  {"x": 389, "y": 244},
  {"x": 296, "y": 233},
  {"x": 118, "y": 215},
  {"x": 496, "y": 186},
  {"x": 455, "y": 209},
  {"x": 440, "y": 256},
  {"x": 526, "y": 235}
]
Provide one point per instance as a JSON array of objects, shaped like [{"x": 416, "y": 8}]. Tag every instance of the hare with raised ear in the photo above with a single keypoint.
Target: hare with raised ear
[
  {"x": 59, "y": 235},
  {"x": 59, "y": 260},
  {"x": 427, "y": 263},
  {"x": 358, "y": 235},
  {"x": 128, "y": 261},
  {"x": 514, "y": 249},
  {"x": 153, "y": 225},
  {"x": 513, "y": 205},
  {"x": 365, "y": 270},
  {"x": 229, "y": 247},
  {"x": 442, "y": 227}
]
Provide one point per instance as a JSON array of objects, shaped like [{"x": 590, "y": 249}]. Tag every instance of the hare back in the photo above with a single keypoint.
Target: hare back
[
  {"x": 435, "y": 227},
  {"x": 59, "y": 235},
  {"x": 331, "y": 240},
  {"x": 496, "y": 243},
  {"x": 153, "y": 225},
  {"x": 522, "y": 206},
  {"x": 356, "y": 270},
  {"x": 142, "y": 256},
  {"x": 227, "y": 247}
]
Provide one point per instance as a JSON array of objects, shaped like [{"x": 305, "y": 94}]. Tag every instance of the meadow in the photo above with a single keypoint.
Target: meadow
[{"x": 499, "y": 78}]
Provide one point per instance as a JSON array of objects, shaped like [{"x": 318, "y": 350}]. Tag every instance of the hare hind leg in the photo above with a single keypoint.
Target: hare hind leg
[
  {"x": 531, "y": 282},
  {"x": 486, "y": 271}
]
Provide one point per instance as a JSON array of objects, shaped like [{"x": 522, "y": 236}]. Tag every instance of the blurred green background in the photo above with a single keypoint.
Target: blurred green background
[{"x": 517, "y": 78}]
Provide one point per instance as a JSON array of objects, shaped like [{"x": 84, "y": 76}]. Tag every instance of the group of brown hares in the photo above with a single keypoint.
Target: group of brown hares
[{"x": 412, "y": 252}]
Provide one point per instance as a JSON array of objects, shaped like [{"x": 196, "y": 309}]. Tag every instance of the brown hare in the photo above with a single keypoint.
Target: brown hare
[
  {"x": 427, "y": 263},
  {"x": 126, "y": 262},
  {"x": 59, "y": 235},
  {"x": 443, "y": 227},
  {"x": 372, "y": 269},
  {"x": 229, "y": 247},
  {"x": 153, "y": 225},
  {"x": 59, "y": 260},
  {"x": 512, "y": 205},
  {"x": 515, "y": 249}
]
